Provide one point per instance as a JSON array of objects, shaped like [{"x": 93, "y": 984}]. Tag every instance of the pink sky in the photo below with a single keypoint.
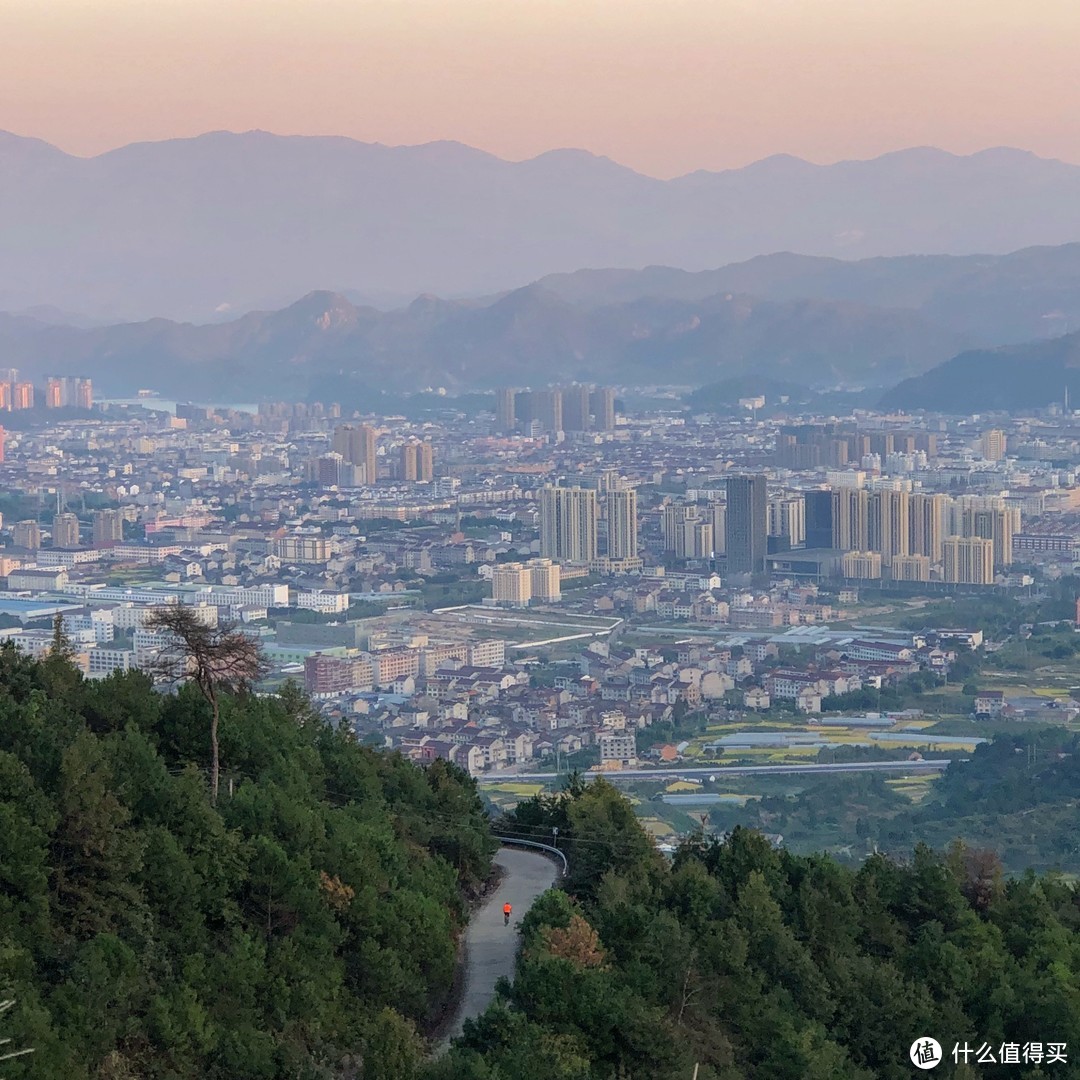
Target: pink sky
[{"x": 665, "y": 86}]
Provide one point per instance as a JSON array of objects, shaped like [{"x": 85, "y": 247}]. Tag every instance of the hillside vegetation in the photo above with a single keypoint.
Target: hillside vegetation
[
  {"x": 304, "y": 928},
  {"x": 757, "y": 964}
]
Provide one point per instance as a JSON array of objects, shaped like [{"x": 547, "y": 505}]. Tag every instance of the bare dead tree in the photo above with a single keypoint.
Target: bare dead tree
[{"x": 216, "y": 659}]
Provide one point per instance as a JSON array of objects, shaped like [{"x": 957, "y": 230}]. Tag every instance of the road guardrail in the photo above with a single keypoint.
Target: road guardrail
[{"x": 550, "y": 849}]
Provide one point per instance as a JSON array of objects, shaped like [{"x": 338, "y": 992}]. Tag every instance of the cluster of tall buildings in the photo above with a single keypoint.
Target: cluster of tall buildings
[
  {"x": 902, "y": 535},
  {"x": 417, "y": 462},
  {"x": 693, "y": 532},
  {"x": 60, "y": 391},
  {"x": 572, "y": 519},
  {"x": 812, "y": 446},
  {"x": 354, "y": 462},
  {"x": 15, "y": 394},
  {"x": 738, "y": 529},
  {"x": 911, "y": 532},
  {"x": 68, "y": 391},
  {"x": 562, "y": 408},
  {"x": 106, "y": 528},
  {"x": 356, "y": 445}
]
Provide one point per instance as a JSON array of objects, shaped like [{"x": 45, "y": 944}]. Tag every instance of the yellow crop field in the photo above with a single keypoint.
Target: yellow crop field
[{"x": 524, "y": 790}]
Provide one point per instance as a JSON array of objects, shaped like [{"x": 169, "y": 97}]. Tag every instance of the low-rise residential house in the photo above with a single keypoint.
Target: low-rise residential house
[
  {"x": 617, "y": 689},
  {"x": 618, "y": 747},
  {"x": 989, "y": 703},
  {"x": 714, "y": 685}
]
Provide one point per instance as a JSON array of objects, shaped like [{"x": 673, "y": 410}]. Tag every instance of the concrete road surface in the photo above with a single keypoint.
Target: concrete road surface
[{"x": 490, "y": 947}]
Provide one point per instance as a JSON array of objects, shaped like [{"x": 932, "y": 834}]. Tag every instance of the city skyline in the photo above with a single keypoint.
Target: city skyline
[{"x": 664, "y": 89}]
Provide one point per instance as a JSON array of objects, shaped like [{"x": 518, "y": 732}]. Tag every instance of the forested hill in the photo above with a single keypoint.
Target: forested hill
[
  {"x": 303, "y": 928},
  {"x": 756, "y": 964}
]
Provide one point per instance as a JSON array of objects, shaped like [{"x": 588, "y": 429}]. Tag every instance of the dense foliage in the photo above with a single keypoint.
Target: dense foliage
[
  {"x": 1016, "y": 794},
  {"x": 756, "y": 963},
  {"x": 303, "y": 928}
]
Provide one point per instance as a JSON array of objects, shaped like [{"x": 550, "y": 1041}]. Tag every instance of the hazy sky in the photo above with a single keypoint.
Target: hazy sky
[{"x": 665, "y": 86}]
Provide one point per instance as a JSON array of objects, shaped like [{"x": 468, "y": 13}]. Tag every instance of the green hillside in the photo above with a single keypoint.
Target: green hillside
[
  {"x": 751, "y": 963},
  {"x": 304, "y": 928}
]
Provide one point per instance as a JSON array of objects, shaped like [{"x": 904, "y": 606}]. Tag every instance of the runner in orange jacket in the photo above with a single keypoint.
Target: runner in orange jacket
[{"x": 507, "y": 909}]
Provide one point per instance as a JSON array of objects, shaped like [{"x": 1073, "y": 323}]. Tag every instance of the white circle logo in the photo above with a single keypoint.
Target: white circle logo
[{"x": 925, "y": 1052}]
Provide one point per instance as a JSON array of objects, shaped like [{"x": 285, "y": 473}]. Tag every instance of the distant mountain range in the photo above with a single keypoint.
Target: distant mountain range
[
  {"x": 797, "y": 320},
  {"x": 325, "y": 346},
  {"x": 231, "y": 222}
]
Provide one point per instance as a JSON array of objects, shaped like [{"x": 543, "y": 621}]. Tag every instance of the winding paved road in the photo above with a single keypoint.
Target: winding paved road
[{"x": 490, "y": 947}]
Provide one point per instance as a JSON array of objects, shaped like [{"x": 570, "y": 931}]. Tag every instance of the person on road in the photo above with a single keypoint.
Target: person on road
[{"x": 507, "y": 909}]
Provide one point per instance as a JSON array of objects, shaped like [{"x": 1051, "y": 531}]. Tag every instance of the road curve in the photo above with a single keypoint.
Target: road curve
[{"x": 491, "y": 947}]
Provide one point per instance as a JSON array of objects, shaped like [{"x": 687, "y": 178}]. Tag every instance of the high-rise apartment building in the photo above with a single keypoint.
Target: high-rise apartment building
[
  {"x": 861, "y": 565},
  {"x": 63, "y": 391},
  {"x": 505, "y": 409},
  {"x": 511, "y": 584},
  {"x": 687, "y": 534},
  {"x": 787, "y": 519},
  {"x": 889, "y": 523},
  {"x": 569, "y": 521},
  {"x": 993, "y": 445},
  {"x": 545, "y": 580},
  {"x": 818, "y": 518},
  {"x": 26, "y": 534},
  {"x": 929, "y": 525},
  {"x": 698, "y": 540},
  {"x": 851, "y": 519},
  {"x": 407, "y": 467},
  {"x": 575, "y": 408},
  {"x": 988, "y": 517},
  {"x": 747, "y": 524},
  {"x": 547, "y": 409},
  {"x": 676, "y": 516},
  {"x": 22, "y": 396},
  {"x": 969, "y": 560},
  {"x": 108, "y": 527},
  {"x": 910, "y": 568},
  {"x": 356, "y": 444},
  {"x": 622, "y": 531},
  {"x": 425, "y": 463},
  {"x": 718, "y": 516},
  {"x": 330, "y": 470},
  {"x": 602, "y": 407},
  {"x": 65, "y": 531}
]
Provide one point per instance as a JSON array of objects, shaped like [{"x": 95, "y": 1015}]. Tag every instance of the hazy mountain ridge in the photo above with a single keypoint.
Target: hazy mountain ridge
[
  {"x": 530, "y": 335},
  {"x": 994, "y": 299},
  {"x": 188, "y": 226}
]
